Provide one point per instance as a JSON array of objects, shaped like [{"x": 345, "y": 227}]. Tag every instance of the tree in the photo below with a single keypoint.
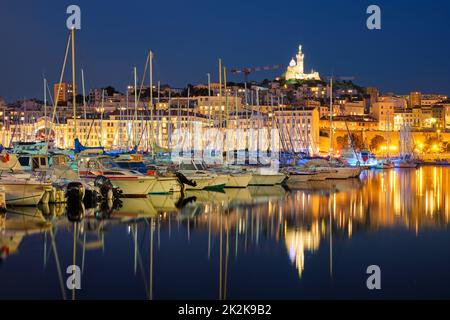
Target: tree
[
  {"x": 109, "y": 91},
  {"x": 377, "y": 142},
  {"x": 342, "y": 142},
  {"x": 356, "y": 139}
]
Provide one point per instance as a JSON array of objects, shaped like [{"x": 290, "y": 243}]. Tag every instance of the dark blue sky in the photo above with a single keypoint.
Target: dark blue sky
[{"x": 411, "y": 52}]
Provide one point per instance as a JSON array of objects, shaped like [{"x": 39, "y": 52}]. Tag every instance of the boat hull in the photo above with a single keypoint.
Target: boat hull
[
  {"x": 201, "y": 183},
  {"x": 164, "y": 185},
  {"x": 298, "y": 178},
  {"x": 344, "y": 173},
  {"x": 266, "y": 179},
  {"x": 24, "y": 194},
  {"x": 238, "y": 180}
]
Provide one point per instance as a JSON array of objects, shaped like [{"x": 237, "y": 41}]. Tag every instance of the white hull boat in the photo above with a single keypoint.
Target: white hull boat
[
  {"x": 165, "y": 185},
  {"x": 133, "y": 185},
  {"x": 238, "y": 180},
  {"x": 20, "y": 192},
  {"x": 340, "y": 173},
  {"x": 406, "y": 164},
  {"x": 260, "y": 179}
]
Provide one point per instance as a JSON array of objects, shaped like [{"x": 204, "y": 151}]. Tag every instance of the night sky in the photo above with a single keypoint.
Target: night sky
[{"x": 411, "y": 52}]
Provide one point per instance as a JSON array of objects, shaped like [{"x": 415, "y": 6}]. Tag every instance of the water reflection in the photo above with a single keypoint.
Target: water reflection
[{"x": 220, "y": 232}]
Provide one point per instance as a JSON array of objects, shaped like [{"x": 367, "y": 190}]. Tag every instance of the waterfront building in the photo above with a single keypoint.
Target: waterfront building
[
  {"x": 350, "y": 122},
  {"x": 410, "y": 117},
  {"x": 383, "y": 110}
]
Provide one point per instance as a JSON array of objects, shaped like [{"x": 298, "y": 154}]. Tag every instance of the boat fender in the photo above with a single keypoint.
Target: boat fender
[{"x": 5, "y": 158}]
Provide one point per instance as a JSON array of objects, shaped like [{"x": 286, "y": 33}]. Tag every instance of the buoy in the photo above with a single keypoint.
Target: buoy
[{"x": 5, "y": 158}]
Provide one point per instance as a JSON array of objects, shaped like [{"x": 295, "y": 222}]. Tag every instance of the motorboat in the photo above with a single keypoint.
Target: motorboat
[
  {"x": 267, "y": 176},
  {"x": 334, "y": 170},
  {"x": 131, "y": 183},
  {"x": 23, "y": 192},
  {"x": 406, "y": 164},
  {"x": 237, "y": 176},
  {"x": 21, "y": 188},
  {"x": 202, "y": 178},
  {"x": 385, "y": 164}
]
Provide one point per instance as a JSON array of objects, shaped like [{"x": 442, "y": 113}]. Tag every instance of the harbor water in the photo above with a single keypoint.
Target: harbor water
[{"x": 314, "y": 242}]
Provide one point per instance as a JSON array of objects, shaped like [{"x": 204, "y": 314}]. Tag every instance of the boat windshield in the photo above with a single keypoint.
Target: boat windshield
[
  {"x": 187, "y": 166},
  {"x": 109, "y": 163},
  {"x": 200, "y": 166}
]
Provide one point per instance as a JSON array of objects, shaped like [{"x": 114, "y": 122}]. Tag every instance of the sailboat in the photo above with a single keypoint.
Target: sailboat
[{"x": 406, "y": 159}]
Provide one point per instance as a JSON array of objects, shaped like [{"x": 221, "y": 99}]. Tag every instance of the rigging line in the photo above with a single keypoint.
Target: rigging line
[
  {"x": 58, "y": 265},
  {"x": 141, "y": 265},
  {"x": 139, "y": 97},
  {"x": 60, "y": 82}
]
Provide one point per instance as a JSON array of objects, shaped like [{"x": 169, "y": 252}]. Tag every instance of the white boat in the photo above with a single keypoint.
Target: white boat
[
  {"x": 264, "y": 179},
  {"x": 342, "y": 173},
  {"x": 406, "y": 164},
  {"x": 21, "y": 189},
  {"x": 267, "y": 176},
  {"x": 23, "y": 192},
  {"x": 363, "y": 159},
  {"x": 406, "y": 159},
  {"x": 238, "y": 180},
  {"x": 165, "y": 184},
  {"x": 203, "y": 179},
  {"x": 331, "y": 170},
  {"x": 385, "y": 164},
  {"x": 131, "y": 183},
  {"x": 297, "y": 176}
]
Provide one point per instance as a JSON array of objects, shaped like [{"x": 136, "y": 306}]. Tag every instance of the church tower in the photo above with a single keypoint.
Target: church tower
[
  {"x": 300, "y": 61},
  {"x": 296, "y": 69}
]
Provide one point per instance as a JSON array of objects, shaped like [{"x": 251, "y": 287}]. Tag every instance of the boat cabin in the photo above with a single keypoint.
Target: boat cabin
[{"x": 33, "y": 162}]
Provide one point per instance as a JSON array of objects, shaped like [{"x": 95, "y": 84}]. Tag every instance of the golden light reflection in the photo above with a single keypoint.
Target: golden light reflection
[{"x": 309, "y": 219}]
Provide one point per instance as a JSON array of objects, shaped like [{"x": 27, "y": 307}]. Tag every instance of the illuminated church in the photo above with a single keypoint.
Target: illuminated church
[{"x": 296, "y": 71}]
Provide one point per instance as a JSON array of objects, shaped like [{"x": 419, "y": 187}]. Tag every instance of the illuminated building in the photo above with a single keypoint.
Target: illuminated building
[
  {"x": 63, "y": 92},
  {"x": 296, "y": 70}
]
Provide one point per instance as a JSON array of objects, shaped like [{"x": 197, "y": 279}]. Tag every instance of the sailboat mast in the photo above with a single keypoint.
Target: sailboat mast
[
  {"x": 226, "y": 96},
  {"x": 74, "y": 90},
  {"x": 150, "y": 57},
  {"x": 209, "y": 99},
  {"x": 135, "y": 108},
  {"x": 220, "y": 94},
  {"x": 331, "y": 116},
  {"x": 45, "y": 107},
  {"x": 84, "y": 93}
]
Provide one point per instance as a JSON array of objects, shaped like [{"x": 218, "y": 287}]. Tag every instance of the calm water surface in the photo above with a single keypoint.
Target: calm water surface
[{"x": 256, "y": 243}]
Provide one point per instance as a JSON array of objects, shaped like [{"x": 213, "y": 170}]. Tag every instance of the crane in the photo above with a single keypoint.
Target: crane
[{"x": 247, "y": 71}]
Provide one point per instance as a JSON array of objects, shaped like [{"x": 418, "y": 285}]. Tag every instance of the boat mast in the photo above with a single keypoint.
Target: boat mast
[
  {"x": 220, "y": 94},
  {"x": 150, "y": 59},
  {"x": 74, "y": 90},
  {"x": 226, "y": 96},
  {"x": 331, "y": 117},
  {"x": 135, "y": 109},
  {"x": 84, "y": 93},
  {"x": 45, "y": 106}
]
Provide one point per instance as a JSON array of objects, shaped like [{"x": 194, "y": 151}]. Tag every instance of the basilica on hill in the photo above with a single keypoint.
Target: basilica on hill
[{"x": 296, "y": 71}]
